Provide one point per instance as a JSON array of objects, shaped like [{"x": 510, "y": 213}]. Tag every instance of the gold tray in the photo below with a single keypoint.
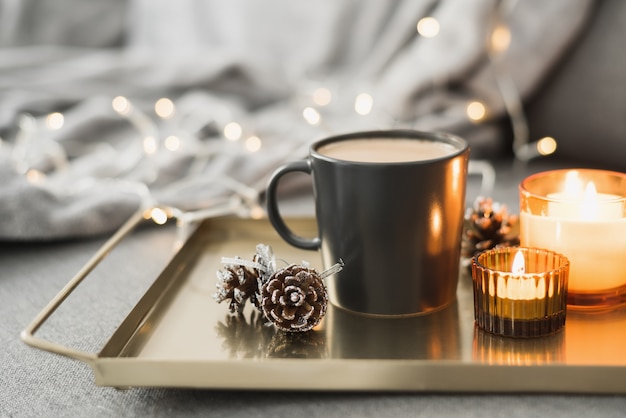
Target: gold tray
[{"x": 178, "y": 336}]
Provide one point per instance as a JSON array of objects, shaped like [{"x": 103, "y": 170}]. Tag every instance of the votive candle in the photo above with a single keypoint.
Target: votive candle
[{"x": 520, "y": 292}]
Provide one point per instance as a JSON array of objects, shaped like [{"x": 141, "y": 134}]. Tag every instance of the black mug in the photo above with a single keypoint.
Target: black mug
[{"x": 390, "y": 205}]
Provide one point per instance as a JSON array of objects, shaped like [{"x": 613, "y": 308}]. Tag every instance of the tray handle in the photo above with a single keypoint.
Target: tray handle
[
  {"x": 28, "y": 334},
  {"x": 229, "y": 206}
]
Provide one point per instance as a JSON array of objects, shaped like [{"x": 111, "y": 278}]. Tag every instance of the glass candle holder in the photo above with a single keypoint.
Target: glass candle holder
[
  {"x": 520, "y": 292},
  {"x": 582, "y": 215}
]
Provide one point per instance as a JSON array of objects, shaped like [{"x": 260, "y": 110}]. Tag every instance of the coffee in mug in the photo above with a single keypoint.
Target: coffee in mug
[{"x": 381, "y": 150}]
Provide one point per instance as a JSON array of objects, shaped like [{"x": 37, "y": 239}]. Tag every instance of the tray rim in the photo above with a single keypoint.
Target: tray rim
[{"x": 359, "y": 375}]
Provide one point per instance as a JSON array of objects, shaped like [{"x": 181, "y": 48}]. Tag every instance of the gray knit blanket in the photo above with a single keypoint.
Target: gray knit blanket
[{"x": 108, "y": 106}]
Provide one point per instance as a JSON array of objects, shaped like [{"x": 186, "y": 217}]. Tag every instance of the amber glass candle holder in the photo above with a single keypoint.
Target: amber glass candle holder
[
  {"x": 581, "y": 214},
  {"x": 513, "y": 303}
]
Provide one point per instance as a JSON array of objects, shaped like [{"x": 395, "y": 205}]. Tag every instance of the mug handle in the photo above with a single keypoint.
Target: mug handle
[{"x": 274, "y": 216}]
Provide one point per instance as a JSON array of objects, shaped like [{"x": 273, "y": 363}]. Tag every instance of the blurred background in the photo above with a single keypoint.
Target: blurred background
[{"x": 106, "y": 106}]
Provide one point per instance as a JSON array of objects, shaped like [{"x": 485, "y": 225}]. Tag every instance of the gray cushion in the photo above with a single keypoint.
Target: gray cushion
[{"x": 583, "y": 104}]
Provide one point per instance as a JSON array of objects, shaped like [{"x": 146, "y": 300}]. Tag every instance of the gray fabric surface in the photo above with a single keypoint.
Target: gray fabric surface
[{"x": 253, "y": 62}]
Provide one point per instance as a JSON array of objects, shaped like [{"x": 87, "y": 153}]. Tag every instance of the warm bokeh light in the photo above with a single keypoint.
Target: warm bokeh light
[
  {"x": 428, "y": 27},
  {"x": 322, "y": 96},
  {"x": 363, "y": 104},
  {"x": 476, "y": 111},
  {"x": 257, "y": 212},
  {"x": 55, "y": 121},
  {"x": 149, "y": 145},
  {"x": 172, "y": 143},
  {"x": 500, "y": 38},
  {"x": 457, "y": 167},
  {"x": 546, "y": 146},
  {"x": 158, "y": 215},
  {"x": 311, "y": 115},
  {"x": 121, "y": 105},
  {"x": 35, "y": 176},
  {"x": 435, "y": 241},
  {"x": 253, "y": 143},
  {"x": 164, "y": 108},
  {"x": 232, "y": 131}
]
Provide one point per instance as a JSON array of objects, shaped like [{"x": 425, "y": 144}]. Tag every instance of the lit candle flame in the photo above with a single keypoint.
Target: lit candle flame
[
  {"x": 588, "y": 197},
  {"x": 519, "y": 266},
  {"x": 581, "y": 200},
  {"x": 573, "y": 185},
  {"x": 589, "y": 207}
]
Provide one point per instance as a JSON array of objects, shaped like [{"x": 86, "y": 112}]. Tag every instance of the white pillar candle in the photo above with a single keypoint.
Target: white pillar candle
[{"x": 587, "y": 226}]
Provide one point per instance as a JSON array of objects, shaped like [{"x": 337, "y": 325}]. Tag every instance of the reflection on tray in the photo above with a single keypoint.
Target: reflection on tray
[
  {"x": 587, "y": 338},
  {"x": 434, "y": 336},
  {"x": 599, "y": 337},
  {"x": 495, "y": 349},
  {"x": 343, "y": 334},
  {"x": 249, "y": 336}
]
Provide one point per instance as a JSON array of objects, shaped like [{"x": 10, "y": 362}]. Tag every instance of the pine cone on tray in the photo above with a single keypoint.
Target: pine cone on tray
[
  {"x": 294, "y": 298},
  {"x": 237, "y": 283},
  {"x": 488, "y": 225}
]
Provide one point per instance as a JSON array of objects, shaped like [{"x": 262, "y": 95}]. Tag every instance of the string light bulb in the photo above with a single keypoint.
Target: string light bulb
[
  {"x": 476, "y": 111},
  {"x": 363, "y": 104},
  {"x": 546, "y": 145},
  {"x": 164, "y": 108},
  {"x": 35, "y": 176},
  {"x": 158, "y": 216},
  {"x": 55, "y": 121},
  {"x": 500, "y": 38},
  {"x": 541, "y": 148},
  {"x": 253, "y": 143},
  {"x": 322, "y": 96},
  {"x": 311, "y": 115},
  {"x": 428, "y": 27},
  {"x": 256, "y": 212},
  {"x": 232, "y": 131},
  {"x": 121, "y": 105},
  {"x": 149, "y": 145},
  {"x": 172, "y": 143}
]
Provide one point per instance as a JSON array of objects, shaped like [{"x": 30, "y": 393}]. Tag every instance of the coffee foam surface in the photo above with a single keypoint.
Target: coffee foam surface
[{"x": 386, "y": 150}]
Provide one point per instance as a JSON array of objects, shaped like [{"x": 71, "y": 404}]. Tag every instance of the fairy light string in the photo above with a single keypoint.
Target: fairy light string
[{"x": 162, "y": 131}]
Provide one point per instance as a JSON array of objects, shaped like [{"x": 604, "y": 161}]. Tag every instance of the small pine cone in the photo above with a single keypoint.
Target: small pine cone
[
  {"x": 488, "y": 225},
  {"x": 294, "y": 298},
  {"x": 237, "y": 284}
]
